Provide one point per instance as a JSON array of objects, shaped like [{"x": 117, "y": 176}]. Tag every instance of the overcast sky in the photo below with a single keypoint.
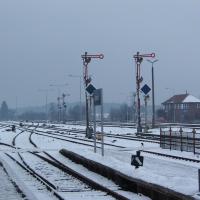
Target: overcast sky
[{"x": 41, "y": 42}]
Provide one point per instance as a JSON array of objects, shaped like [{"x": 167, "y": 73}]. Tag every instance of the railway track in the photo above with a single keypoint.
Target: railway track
[
  {"x": 14, "y": 139},
  {"x": 25, "y": 167},
  {"x": 85, "y": 142},
  {"x": 44, "y": 165},
  {"x": 8, "y": 188},
  {"x": 71, "y": 135},
  {"x": 45, "y": 183},
  {"x": 50, "y": 162},
  {"x": 109, "y": 135},
  {"x": 82, "y": 141},
  {"x": 144, "y": 138},
  {"x": 150, "y": 152},
  {"x": 171, "y": 156},
  {"x": 30, "y": 178}
]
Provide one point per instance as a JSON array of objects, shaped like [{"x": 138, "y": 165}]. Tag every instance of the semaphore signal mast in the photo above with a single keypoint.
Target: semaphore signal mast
[{"x": 138, "y": 60}]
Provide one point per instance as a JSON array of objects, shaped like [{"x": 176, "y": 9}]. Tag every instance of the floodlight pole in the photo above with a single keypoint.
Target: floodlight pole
[
  {"x": 153, "y": 96},
  {"x": 138, "y": 60},
  {"x": 86, "y": 60}
]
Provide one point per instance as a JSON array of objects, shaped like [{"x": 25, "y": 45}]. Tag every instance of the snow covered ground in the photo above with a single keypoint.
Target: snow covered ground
[
  {"x": 178, "y": 175},
  {"x": 7, "y": 189}
]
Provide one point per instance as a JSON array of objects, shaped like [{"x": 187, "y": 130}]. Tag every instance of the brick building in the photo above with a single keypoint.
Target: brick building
[{"x": 182, "y": 108}]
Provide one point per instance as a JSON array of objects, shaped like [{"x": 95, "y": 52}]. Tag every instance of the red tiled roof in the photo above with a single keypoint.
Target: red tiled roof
[{"x": 176, "y": 99}]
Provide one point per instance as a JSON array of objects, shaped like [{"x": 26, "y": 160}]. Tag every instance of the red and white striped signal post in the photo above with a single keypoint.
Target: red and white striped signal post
[
  {"x": 138, "y": 60},
  {"x": 86, "y": 60}
]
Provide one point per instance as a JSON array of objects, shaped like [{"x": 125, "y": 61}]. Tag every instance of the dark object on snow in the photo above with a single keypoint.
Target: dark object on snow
[
  {"x": 137, "y": 160},
  {"x": 13, "y": 128},
  {"x": 89, "y": 132},
  {"x": 20, "y": 124}
]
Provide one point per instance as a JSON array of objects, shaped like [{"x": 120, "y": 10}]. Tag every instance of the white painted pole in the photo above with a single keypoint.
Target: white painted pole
[
  {"x": 94, "y": 123},
  {"x": 102, "y": 135}
]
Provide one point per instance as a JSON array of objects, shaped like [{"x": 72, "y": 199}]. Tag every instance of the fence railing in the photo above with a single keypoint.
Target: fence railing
[{"x": 180, "y": 140}]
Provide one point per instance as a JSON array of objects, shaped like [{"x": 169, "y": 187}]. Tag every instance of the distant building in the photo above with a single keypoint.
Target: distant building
[{"x": 182, "y": 108}]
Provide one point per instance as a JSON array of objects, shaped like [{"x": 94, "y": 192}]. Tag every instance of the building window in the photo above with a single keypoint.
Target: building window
[
  {"x": 186, "y": 106},
  {"x": 181, "y": 106}
]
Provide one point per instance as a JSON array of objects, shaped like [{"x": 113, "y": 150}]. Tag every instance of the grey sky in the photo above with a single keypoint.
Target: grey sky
[{"x": 41, "y": 42}]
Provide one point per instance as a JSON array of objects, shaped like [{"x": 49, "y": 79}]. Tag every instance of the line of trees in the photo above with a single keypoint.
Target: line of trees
[
  {"x": 72, "y": 113},
  {"x": 120, "y": 113},
  {"x": 10, "y": 114}
]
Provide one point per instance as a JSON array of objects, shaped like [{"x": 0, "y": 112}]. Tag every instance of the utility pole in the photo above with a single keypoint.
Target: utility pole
[
  {"x": 64, "y": 104},
  {"x": 86, "y": 60},
  {"x": 138, "y": 60},
  {"x": 153, "y": 96},
  {"x": 58, "y": 86},
  {"x": 59, "y": 109},
  {"x": 64, "y": 107}
]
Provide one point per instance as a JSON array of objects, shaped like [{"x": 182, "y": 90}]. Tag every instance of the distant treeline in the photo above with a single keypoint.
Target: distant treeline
[
  {"x": 73, "y": 113},
  {"x": 121, "y": 112}
]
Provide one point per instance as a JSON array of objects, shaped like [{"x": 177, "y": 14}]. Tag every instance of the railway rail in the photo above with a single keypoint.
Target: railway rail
[
  {"x": 8, "y": 187},
  {"x": 39, "y": 178},
  {"x": 77, "y": 131},
  {"x": 151, "y": 138},
  {"x": 53, "y": 162},
  {"x": 150, "y": 152},
  {"x": 93, "y": 188},
  {"x": 171, "y": 156},
  {"x": 73, "y": 139}
]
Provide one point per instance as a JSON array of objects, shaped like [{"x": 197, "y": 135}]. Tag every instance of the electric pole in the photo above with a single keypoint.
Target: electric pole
[{"x": 153, "y": 96}]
